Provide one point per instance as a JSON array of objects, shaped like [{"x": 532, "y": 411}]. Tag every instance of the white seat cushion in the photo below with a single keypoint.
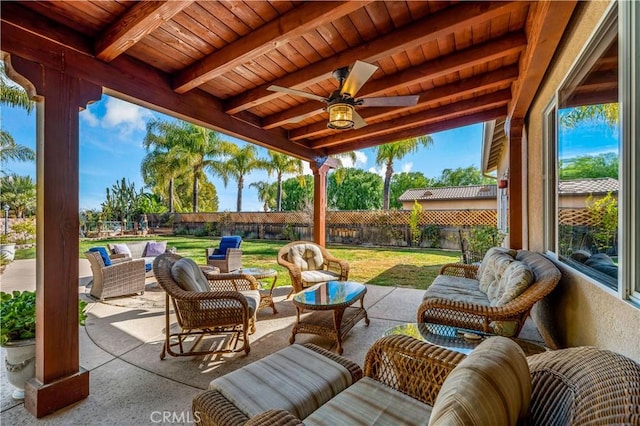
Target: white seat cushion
[
  {"x": 306, "y": 257},
  {"x": 313, "y": 277}
]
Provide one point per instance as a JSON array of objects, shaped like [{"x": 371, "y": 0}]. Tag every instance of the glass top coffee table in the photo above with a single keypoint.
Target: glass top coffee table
[
  {"x": 332, "y": 312},
  {"x": 454, "y": 338}
]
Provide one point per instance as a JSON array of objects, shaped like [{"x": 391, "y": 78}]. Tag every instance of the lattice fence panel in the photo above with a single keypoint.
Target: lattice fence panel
[{"x": 577, "y": 217}]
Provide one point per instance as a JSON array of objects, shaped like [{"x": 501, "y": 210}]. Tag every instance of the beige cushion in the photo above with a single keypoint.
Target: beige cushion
[
  {"x": 318, "y": 276},
  {"x": 457, "y": 289},
  {"x": 189, "y": 276},
  {"x": 369, "y": 402},
  {"x": 493, "y": 271},
  {"x": 492, "y": 251},
  {"x": 306, "y": 257},
  {"x": 492, "y": 386},
  {"x": 516, "y": 278},
  {"x": 295, "y": 379}
]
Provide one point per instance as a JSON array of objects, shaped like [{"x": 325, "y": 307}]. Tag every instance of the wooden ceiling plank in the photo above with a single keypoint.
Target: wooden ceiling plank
[
  {"x": 428, "y": 70},
  {"x": 141, "y": 84},
  {"x": 549, "y": 22},
  {"x": 458, "y": 108},
  {"x": 277, "y": 32},
  {"x": 438, "y": 126},
  {"x": 427, "y": 98},
  {"x": 419, "y": 32},
  {"x": 139, "y": 21}
]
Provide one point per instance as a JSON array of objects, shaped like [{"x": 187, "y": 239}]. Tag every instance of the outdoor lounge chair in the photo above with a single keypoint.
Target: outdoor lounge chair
[
  {"x": 223, "y": 303},
  {"x": 228, "y": 256},
  {"x": 115, "y": 277},
  {"x": 310, "y": 264}
]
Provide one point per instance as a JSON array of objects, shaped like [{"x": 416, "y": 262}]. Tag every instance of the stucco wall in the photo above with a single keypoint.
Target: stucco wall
[{"x": 579, "y": 312}]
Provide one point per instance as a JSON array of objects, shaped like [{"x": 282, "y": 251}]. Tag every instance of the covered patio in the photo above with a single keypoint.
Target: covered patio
[{"x": 212, "y": 63}]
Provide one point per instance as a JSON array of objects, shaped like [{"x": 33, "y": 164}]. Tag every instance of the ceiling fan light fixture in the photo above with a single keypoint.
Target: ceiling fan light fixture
[{"x": 340, "y": 116}]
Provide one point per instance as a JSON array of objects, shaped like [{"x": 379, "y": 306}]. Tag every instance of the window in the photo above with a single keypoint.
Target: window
[
  {"x": 583, "y": 173},
  {"x": 592, "y": 159}
]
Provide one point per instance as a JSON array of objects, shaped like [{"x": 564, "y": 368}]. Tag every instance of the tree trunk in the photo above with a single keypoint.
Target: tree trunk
[
  {"x": 195, "y": 193},
  {"x": 171, "y": 183},
  {"x": 240, "y": 186},
  {"x": 387, "y": 185},
  {"x": 279, "y": 194}
]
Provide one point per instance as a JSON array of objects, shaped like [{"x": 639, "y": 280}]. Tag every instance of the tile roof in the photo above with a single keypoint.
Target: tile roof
[
  {"x": 472, "y": 192},
  {"x": 588, "y": 186}
]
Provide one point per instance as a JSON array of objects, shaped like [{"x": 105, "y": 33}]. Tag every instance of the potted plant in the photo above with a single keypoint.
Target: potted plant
[
  {"x": 17, "y": 336},
  {"x": 7, "y": 249}
]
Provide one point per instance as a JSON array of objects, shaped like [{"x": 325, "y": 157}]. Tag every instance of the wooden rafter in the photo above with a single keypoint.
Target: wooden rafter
[
  {"x": 268, "y": 37},
  {"x": 139, "y": 21},
  {"x": 466, "y": 107},
  {"x": 133, "y": 81},
  {"x": 506, "y": 45},
  {"x": 417, "y": 33},
  {"x": 486, "y": 81},
  {"x": 434, "y": 127}
]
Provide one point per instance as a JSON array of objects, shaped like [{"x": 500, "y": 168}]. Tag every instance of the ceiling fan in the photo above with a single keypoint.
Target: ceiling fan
[{"x": 341, "y": 102}]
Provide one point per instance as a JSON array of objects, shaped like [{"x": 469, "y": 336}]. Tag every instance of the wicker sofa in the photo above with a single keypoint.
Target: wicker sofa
[
  {"x": 403, "y": 377},
  {"x": 494, "y": 297},
  {"x": 494, "y": 385},
  {"x": 147, "y": 250}
]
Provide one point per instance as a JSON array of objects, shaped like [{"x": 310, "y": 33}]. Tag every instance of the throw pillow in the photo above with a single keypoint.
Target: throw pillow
[
  {"x": 103, "y": 254},
  {"x": 491, "y": 386},
  {"x": 490, "y": 253},
  {"x": 189, "y": 276},
  {"x": 121, "y": 249},
  {"x": 155, "y": 249},
  {"x": 494, "y": 268},
  {"x": 516, "y": 278}
]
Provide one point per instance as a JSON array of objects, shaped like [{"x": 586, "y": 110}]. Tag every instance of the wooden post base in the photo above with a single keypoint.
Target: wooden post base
[{"x": 40, "y": 400}]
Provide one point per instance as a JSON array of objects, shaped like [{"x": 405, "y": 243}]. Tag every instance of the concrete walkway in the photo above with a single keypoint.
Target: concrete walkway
[{"x": 122, "y": 340}]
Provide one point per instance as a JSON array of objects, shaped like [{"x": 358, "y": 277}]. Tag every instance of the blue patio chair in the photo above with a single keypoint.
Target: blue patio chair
[{"x": 228, "y": 256}]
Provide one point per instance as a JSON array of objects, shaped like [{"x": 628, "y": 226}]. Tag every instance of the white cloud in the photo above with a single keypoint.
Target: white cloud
[
  {"x": 125, "y": 116},
  {"x": 406, "y": 167},
  {"x": 361, "y": 158},
  {"x": 89, "y": 118},
  {"x": 379, "y": 171}
]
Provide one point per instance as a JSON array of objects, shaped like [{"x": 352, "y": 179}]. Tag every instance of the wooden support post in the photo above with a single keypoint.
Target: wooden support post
[
  {"x": 320, "y": 169},
  {"x": 59, "y": 379},
  {"x": 514, "y": 129}
]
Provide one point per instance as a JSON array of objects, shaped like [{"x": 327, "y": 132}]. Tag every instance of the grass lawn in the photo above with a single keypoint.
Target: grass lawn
[{"x": 400, "y": 267}]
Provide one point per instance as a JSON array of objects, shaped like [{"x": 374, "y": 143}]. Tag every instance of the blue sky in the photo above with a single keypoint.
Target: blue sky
[{"x": 111, "y": 134}]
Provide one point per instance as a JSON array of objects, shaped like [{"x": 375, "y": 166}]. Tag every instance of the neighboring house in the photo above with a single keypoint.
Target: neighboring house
[
  {"x": 593, "y": 68},
  {"x": 473, "y": 197},
  {"x": 573, "y": 194}
]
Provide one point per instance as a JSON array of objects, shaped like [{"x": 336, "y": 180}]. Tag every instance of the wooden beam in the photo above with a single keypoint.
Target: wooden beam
[
  {"x": 486, "y": 81},
  {"x": 439, "y": 24},
  {"x": 465, "y": 107},
  {"x": 547, "y": 27},
  {"x": 320, "y": 170},
  {"x": 514, "y": 128},
  {"x": 475, "y": 55},
  {"x": 59, "y": 379},
  {"x": 275, "y": 33},
  {"x": 138, "y": 83},
  {"x": 434, "y": 127},
  {"x": 139, "y": 21}
]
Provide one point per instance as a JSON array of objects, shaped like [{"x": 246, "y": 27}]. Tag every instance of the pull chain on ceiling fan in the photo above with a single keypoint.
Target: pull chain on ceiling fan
[{"x": 341, "y": 102}]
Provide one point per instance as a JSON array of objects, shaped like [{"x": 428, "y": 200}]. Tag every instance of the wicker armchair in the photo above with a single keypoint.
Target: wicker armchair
[
  {"x": 229, "y": 307},
  {"x": 228, "y": 256},
  {"x": 314, "y": 265},
  {"x": 123, "y": 277},
  {"x": 464, "y": 314}
]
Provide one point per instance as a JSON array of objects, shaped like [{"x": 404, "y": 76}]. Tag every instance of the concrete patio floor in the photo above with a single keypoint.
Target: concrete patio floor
[{"x": 121, "y": 343}]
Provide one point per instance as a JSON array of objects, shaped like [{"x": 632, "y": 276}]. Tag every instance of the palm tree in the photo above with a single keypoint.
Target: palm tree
[
  {"x": 280, "y": 164},
  {"x": 20, "y": 193},
  {"x": 266, "y": 193},
  {"x": 387, "y": 153},
  {"x": 13, "y": 96},
  {"x": 161, "y": 166},
  {"x": 239, "y": 162}
]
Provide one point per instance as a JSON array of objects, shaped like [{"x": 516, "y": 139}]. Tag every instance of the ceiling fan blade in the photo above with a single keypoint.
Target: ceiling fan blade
[
  {"x": 390, "y": 101},
  {"x": 358, "y": 76},
  {"x": 358, "y": 121},
  {"x": 295, "y": 92}
]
